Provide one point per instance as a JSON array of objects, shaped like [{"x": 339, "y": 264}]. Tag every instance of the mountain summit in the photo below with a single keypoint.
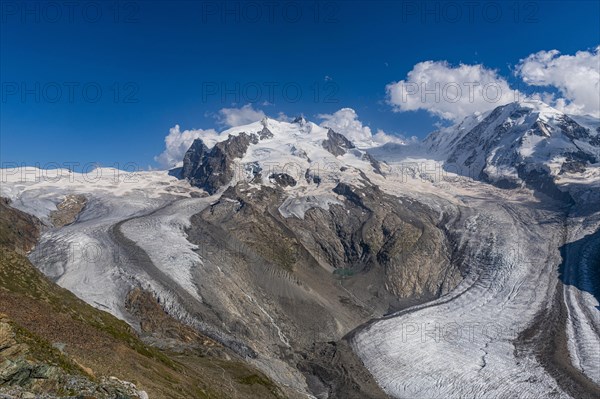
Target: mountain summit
[
  {"x": 303, "y": 256},
  {"x": 518, "y": 144},
  {"x": 271, "y": 152},
  {"x": 515, "y": 144}
]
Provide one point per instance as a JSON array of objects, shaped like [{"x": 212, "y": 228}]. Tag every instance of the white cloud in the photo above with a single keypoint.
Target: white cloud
[
  {"x": 382, "y": 137},
  {"x": 282, "y": 117},
  {"x": 178, "y": 142},
  {"x": 577, "y": 77},
  {"x": 239, "y": 116},
  {"x": 346, "y": 122},
  {"x": 450, "y": 92}
]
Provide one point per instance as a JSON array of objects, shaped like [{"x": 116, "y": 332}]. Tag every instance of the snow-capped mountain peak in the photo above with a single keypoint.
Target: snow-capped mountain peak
[
  {"x": 515, "y": 143},
  {"x": 298, "y": 154}
]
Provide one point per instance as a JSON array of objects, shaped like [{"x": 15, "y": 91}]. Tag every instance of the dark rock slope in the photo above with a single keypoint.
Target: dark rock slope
[
  {"x": 336, "y": 143},
  {"x": 211, "y": 169}
]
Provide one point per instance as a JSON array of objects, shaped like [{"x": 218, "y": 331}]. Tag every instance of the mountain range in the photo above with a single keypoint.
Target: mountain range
[{"x": 281, "y": 259}]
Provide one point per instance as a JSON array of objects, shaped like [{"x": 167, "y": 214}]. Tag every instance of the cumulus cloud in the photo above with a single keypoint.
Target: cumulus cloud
[
  {"x": 450, "y": 92},
  {"x": 178, "y": 142},
  {"x": 230, "y": 117},
  {"x": 577, "y": 77},
  {"x": 346, "y": 122}
]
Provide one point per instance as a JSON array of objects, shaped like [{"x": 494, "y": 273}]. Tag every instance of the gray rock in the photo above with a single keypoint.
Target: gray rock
[
  {"x": 374, "y": 163},
  {"x": 311, "y": 177},
  {"x": 283, "y": 179},
  {"x": 336, "y": 143},
  {"x": 193, "y": 158},
  {"x": 210, "y": 170},
  {"x": 265, "y": 134}
]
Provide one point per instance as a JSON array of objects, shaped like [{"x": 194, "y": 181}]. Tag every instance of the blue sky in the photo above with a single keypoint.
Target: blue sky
[{"x": 105, "y": 81}]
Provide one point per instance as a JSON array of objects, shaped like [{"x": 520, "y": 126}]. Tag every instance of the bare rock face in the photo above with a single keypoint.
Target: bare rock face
[
  {"x": 67, "y": 211},
  {"x": 310, "y": 176},
  {"x": 283, "y": 179},
  {"x": 375, "y": 232},
  {"x": 336, "y": 143},
  {"x": 265, "y": 134},
  {"x": 193, "y": 158},
  {"x": 211, "y": 169},
  {"x": 374, "y": 163},
  {"x": 572, "y": 129}
]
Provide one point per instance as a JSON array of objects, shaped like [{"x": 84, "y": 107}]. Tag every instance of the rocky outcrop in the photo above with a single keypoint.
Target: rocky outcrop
[
  {"x": 283, "y": 179},
  {"x": 336, "y": 143},
  {"x": 374, "y": 163},
  {"x": 67, "y": 211},
  {"x": 572, "y": 129},
  {"x": 310, "y": 176},
  {"x": 542, "y": 182},
  {"x": 30, "y": 365},
  {"x": 299, "y": 120},
  {"x": 211, "y": 169},
  {"x": 194, "y": 156},
  {"x": 265, "y": 134},
  {"x": 15, "y": 368}
]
